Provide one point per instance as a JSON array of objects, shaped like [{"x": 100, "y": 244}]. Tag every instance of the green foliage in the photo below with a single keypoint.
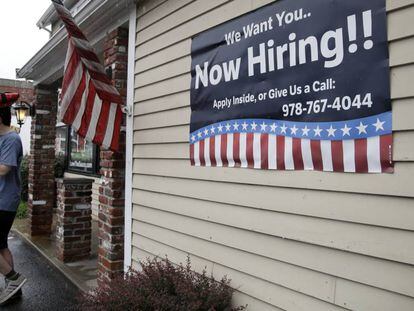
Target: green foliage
[
  {"x": 24, "y": 176},
  {"x": 22, "y": 210},
  {"x": 161, "y": 286}
]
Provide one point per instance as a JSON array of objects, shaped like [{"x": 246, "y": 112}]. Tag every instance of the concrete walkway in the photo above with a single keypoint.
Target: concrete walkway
[
  {"x": 82, "y": 273},
  {"x": 47, "y": 288}
]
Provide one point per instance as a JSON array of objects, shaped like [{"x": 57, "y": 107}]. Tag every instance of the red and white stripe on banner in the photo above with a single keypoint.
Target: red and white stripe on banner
[{"x": 273, "y": 152}]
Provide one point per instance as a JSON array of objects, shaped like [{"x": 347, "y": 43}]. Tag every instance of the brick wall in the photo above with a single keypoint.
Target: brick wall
[
  {"x": 41, "y": 161},
  {"x": 111, "y": 191},
  {"x": 74, "y": 219},
  {"x": 25, "y": 89}
]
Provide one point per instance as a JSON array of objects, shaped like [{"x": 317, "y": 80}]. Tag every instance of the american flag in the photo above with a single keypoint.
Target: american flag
[
  {"x": 89, "y": 102},
  {"x": 361, "y": 145}
]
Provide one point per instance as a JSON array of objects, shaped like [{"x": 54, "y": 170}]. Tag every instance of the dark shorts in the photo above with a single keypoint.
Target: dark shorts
[{"x": 6, "y": 222}]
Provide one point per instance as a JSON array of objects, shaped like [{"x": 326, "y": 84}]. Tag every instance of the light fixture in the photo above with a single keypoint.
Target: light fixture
[{"x": 21, "y": 110}]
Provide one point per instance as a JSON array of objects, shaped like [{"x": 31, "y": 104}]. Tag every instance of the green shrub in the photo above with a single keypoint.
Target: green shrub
[
  {"x": 161, "y": 286},
  {"x": 24, "y": 176},
  {"x": 22, "y": 210}
]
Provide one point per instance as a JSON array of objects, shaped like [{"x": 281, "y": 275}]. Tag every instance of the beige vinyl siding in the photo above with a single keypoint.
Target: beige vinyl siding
[{"x": 288, "y": 240}]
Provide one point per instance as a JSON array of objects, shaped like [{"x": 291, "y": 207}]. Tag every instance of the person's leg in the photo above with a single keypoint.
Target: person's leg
[
  {"x": 6, "y": 221},
  {"x": 14, "y": 280},
  {"x": 6, "y": 253},
  {"x": 5, "y": 267}
]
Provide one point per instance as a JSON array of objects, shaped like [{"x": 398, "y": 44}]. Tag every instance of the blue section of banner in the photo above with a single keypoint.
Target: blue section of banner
[{"x": 377, "y": 125}]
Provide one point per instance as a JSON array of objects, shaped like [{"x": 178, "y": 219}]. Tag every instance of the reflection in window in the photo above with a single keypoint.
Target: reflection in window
[
  {"x": 81, "y": 154},
  {"x": 61, "y": 143}
]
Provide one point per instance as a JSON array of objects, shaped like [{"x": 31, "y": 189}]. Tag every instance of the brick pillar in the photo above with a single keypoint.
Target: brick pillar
[
  {"x": 41, "y": 161},
  {"x": 111, "y": 191},
  {"x": 74, "y": 219}
]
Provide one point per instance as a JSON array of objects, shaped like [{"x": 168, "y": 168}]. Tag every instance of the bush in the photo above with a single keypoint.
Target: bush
[
  {"x": 24, "y": 176},
  {"x": 22, "y": 210},
  {"x": 161, "y": 286}
]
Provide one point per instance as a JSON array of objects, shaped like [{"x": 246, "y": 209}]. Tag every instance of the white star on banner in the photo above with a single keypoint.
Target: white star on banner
[
  {"x": 317, "y": 131},
  {"x": 305, "y": 131},
  {"x": 228, "y": 126},
  {"x": 346, "y": 130},
  {"x": 379, "y": 125},
  {"x": 213, "y": 130},
  {"x": 220, "y": 128},
  {"x": 294, "y": 129},
  {"x": 199, "y": 134},
  {"x": 205, "y": 132},
  {"x": 331, "y": 131},
  {"x": 263, "y": 127},
  {"x": 283, "y": 128},
  {"x": 254, "y": 126},
  {"x": 273, "y": 127},
  {"x": 236, "y": 126},
  {"x": 362, "y": 128},
  {"x": 244, "y": 125},
  {"x": 193, "y": 138}
]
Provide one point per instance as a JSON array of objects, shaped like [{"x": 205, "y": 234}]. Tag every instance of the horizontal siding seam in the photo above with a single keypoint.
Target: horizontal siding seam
[
  {"x": 162, "y": 80},
  {"x": 162, "y": 17},
  {"x": 275, "y": 259},
  {"x": 257, "y": 277},
  {"x": 183, "y": 23},
  {"x": 215, "y": 8},
  {"x": 252, "y": 184},
  {"x": 269, "y": 235},
  {"x": 159, "y": 111},
  {"x": 160, "y": 65},
  {"x": 232, "y": 268},
  {"x": 260, "y": 209},
  {"x": 402, "y": 7},
  {"x": 140, "y": 58},
  {"x": 155, "y": 7},
  {"x": 156, "y": 97}
]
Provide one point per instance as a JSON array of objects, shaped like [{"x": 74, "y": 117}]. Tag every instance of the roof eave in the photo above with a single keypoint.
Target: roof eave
[{"x": 56, "y": 45}]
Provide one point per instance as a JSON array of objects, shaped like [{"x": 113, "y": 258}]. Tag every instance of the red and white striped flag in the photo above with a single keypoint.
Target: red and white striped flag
[
  {"x": 89, "y": 102},
  {"x": 359, "y": 146}
]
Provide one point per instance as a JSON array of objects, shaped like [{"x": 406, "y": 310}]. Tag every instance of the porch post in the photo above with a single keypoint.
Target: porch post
[
  {"x": 41, "y": 161},
  {"x": 111, "y": 191}
]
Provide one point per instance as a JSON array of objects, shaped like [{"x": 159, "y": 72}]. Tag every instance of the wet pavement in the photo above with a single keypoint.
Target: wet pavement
[{"x": 46, "y": 288}]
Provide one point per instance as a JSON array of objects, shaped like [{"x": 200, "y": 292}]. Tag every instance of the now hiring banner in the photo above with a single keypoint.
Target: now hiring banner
[{"x": 294, "y": 85}]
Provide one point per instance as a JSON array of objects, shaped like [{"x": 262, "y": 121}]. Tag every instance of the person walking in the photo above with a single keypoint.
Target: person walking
[{"x": 11, "y": 152}]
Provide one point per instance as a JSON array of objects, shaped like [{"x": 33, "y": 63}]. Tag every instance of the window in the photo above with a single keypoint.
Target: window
[
  {"x": 80, "y": 155},
  {"x": 61, "y": 142},
  {"x": 83, "y": 155}
]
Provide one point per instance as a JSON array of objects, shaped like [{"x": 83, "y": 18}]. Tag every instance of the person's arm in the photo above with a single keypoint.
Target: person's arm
[
  {"x": 4, "y": 169},
  {"x": 9, "y": 154}
]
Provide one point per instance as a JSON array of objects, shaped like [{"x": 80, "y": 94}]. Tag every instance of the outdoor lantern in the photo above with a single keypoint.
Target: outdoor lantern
[{"x": 21, "y": 109}]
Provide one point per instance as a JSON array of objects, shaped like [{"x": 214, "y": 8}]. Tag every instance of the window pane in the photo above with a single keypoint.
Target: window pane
[
  {"x": 81, "y": 156},
  {"x": 61, "y": 141}
]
